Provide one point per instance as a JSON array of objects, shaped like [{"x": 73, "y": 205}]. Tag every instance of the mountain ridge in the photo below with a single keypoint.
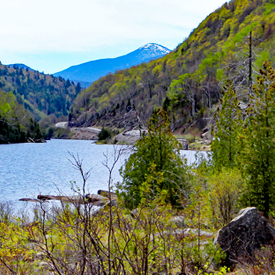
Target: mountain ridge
[
  {"x": 188, "y": 81},
  {"x": 92, "y": 70},
  {"x": 20, "y": 66}
]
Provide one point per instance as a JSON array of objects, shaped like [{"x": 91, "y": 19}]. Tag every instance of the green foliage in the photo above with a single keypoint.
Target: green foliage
[
  {"x": 112, "y": 242},
  {"x": 228, "y": 122},
  {"x": 16, "y": 125},
  {"x": 209, "y": 55},
  {"x": 257, "y": 157},
  {"x": 223, "y": 197},
  {"x": 104, "y": 134},
  {"x": 269, "y": 7},
  {"x": 155, "y": 166},
  {"x": 39, "y": 92}
]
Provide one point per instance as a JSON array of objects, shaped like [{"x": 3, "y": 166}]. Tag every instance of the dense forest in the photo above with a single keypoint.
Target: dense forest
[
  {"x": 40, "y": 93},
  {"x": 231, "y": 43},
  {"x": 28, "y": 97},
  {"x": 166, "y": 216},
  {"x": 16, "y": 123}
]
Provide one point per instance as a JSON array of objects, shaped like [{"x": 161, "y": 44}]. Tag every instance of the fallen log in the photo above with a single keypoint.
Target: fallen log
[
  {"x": 100, "y": 199},
  {"x": 29, "y": 199},
  {"x": 46, "y": 197}
]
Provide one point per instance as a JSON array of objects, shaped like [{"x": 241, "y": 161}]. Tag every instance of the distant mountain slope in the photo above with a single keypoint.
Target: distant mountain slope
[
  {"x": 20, "y": 66},
  {"x": 39, "y": 93},
  {"x": 187, "y": 81},
  {"x": 16, "y": 123},
  {"x": 90, "y": 71}
]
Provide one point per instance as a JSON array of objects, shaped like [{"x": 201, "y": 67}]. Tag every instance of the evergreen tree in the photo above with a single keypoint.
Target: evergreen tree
[
  {"x": 155, "y": 165},
  {"x": 228, "y": 123},
  {"x": 257, "y": 158}
]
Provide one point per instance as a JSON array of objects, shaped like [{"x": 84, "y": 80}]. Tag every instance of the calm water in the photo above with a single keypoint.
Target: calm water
[{"x": 28, "y": 169}]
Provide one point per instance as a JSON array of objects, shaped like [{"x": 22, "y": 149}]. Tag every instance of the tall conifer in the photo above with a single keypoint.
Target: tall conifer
[
  {"x": 228, "y": 123},
  {"x": 257, "y": 158}
]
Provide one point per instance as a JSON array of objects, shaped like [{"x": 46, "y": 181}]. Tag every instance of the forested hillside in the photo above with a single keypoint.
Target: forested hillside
[
  {"x": 16, "y": 123},
  {"x": 91, "y": 71},
  {"x": 39, "y": 93},
  {"x": 26, "y": 97},
  {"x": 188, "y": 81}
]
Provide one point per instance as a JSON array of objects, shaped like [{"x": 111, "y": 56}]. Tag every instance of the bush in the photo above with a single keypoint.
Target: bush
[
  {"x": 156, "y": 167},
  {"x": 104, "y": 134}
]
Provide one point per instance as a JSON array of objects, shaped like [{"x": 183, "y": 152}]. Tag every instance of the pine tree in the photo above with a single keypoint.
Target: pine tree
[
  {"x": 257, "y": 158},
  {"x": 228, "y": 123},
  {"x": 156, "y": 162}
]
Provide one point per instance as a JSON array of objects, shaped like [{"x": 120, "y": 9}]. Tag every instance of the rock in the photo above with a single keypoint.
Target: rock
[
  {"x": 107, "y": 194},
  {"x": 46, "y": 197},
  {"x": 63, "y": 124},
  {"x": 89, "y": 198},
  {"x": 95, "y": 198},
  {"x": 244, "y": 235},
  {"x": 134, "y": 213},
  {"x": 84, "y": 133},
  {"x": 191, "y": 233},
  {"x": 46, "y": 266},
  {"x": 178, "y": 221},
  {"x": 128, "y": 137}
]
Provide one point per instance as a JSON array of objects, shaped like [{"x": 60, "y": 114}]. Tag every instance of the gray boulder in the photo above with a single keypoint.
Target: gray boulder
[{"x": 245, "y": 234}]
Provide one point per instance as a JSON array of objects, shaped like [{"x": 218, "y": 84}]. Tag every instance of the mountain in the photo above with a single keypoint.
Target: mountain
[
  {"x": 26, "y": 97},
  {"x": 88, "y": 72},
  {"x": 187, "y": 82},
  {"x": 20, "y": 66}
]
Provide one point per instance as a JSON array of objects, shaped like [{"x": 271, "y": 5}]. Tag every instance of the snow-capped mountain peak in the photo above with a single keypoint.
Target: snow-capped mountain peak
[
  {"x": 155, "y": 48},
  {"x": 92, "y": 70}
]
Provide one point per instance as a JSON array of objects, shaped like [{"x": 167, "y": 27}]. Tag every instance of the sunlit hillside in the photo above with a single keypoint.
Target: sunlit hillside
[{"x": 188, "y": 81}]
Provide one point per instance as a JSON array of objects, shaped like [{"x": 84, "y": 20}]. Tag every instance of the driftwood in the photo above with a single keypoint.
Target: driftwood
[
  {"x": 100, "y": 199},
  {"x": 28, "y": 199},
  {"x": 46, "y": 197}
]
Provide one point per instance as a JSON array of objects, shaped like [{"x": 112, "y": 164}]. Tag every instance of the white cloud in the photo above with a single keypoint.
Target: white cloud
[
  {"x": 51, "y": 35},
  {"x": 79, "y": 25}
]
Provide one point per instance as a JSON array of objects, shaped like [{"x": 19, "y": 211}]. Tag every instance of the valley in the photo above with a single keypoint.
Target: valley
[{"x": 162, "y": 207}]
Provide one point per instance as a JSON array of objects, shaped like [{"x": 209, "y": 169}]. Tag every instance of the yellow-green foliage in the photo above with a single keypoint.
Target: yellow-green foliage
[
  {"x": 41, "y": 94},
  {"x": 71, "y": 240},
  {"x": 15, "y": 250},
  {"x": 207, "y": 54},
  {"x": 224, "y": 191}
]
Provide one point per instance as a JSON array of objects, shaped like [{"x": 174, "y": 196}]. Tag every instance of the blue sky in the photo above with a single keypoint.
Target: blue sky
[{"x": 53, "y": 35}]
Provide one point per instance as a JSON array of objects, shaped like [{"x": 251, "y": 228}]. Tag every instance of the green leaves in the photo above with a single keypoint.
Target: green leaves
[
  {"x": 257, "y": 158},
  {"x": 228, "y": 123},
  {"x": 156, "y": 162},
  {"x": 245, "y": 140}
]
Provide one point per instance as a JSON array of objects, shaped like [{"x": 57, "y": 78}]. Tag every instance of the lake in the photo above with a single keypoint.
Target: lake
[{"x": 30, "y": 169}]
